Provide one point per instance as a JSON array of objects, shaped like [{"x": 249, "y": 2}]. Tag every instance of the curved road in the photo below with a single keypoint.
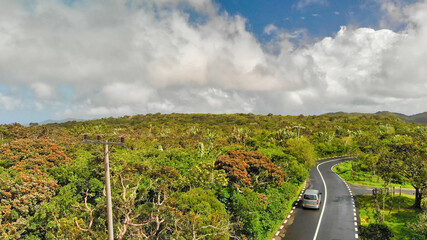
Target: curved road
[{"x": 336, "y": 219}]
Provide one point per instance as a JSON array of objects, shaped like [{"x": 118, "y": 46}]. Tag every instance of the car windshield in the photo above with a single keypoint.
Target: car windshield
[{"x": 310, "y": 197}]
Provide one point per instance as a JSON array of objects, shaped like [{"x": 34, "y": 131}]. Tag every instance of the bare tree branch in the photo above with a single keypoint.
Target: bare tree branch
[{"x": 86, "y": 209}]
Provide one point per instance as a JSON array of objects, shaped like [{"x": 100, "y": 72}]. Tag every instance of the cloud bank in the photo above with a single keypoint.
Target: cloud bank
[{"x": 90, "y": 59}]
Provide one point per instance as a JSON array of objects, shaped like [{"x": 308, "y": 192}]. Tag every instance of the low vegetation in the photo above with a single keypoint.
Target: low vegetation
[{"x": 187, "y": 176}]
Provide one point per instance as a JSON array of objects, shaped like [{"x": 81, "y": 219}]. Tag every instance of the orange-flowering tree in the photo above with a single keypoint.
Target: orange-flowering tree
[
  {"x": 33, "y": 155},
  {"x": 15, "y": 131},
  {"x": 252, "y": 193},
  {"x": 251, "y": 169},
  {"x": 25, "y": 182},
  {"x": 20, "y": 195}
]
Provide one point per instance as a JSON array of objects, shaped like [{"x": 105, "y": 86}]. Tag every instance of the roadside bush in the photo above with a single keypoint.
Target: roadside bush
[{"x": 376, "y": 231}]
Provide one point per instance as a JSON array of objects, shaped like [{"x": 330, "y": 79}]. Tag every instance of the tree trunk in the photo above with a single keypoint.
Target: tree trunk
[{"x": 418, "y": 198}]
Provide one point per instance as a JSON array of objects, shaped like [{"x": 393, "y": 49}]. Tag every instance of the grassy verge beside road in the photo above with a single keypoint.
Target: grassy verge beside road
[
  {"x": 399, "y": 220},
  {"x": 397, "y": 212},
  {"x": 363, "y": 178}
]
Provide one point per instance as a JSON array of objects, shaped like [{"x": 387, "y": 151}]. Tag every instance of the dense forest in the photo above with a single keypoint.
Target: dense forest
[{"x": 188, "y": 176}]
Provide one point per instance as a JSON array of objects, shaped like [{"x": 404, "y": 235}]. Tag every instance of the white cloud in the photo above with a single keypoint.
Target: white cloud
[
  {"x": 270, "y": 28},
  {"x": 9, "y": 103},
  {"x": 394, "y": 13},
  {"x": 115, "y": 59},
  {"x": 43, "y": 91},
  {"x": 305, "y": 3},
  {"x": 353, "y": 60}
]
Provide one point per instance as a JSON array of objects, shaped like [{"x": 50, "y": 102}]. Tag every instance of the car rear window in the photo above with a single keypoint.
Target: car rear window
[{"x": 310, "y": 197}]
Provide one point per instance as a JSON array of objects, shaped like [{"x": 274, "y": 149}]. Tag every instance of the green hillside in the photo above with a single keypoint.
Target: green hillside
[{"x": 417, "y": 118}]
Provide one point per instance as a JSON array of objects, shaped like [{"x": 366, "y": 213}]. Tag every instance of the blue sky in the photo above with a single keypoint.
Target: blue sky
[
  {"x": 319, "y": 18},
  {"x": 89, "y": 59}
]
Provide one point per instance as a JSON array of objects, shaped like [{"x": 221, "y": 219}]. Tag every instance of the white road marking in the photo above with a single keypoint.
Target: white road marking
[
  {"x": 352, "y": 202},
  {"x": 293, "y": 207},
  {"x": 289, "y": 216},
  {"x": 277, "y": 234},
  {"x": 324, "y": 201},
  {"x": 292, "y": 211},
  {"x": 285, "y": 221},
  {"x": 281, "y": 227}
]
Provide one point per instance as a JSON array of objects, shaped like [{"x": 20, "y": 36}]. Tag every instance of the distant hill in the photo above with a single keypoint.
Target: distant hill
[
  {"x": 417, "y": 118},
  {"x": 420, "y": 117},
  {"x": 61, "y": 121}
]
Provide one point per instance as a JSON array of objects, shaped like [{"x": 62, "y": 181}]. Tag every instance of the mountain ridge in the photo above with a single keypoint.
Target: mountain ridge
[{"x": 416, "y": 118}]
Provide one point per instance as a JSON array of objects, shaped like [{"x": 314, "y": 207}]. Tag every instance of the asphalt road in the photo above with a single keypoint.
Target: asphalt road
[{"x": 336, "y": 219}]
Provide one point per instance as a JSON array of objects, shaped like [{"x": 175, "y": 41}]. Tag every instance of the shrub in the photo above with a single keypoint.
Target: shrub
[{"x": 376, "y": 231}]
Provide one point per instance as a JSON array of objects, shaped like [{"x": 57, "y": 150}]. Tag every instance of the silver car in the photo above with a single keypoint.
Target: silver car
[{"x": 311, "y": 199}]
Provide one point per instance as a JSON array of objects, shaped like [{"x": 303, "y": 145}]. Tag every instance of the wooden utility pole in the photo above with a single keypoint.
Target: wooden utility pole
[{"x": 107, "y": 178}]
